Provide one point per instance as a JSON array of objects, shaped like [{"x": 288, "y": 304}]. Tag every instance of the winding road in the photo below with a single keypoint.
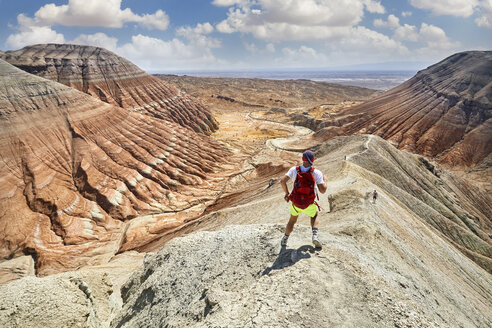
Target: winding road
[{"x": 279, "y": 143}]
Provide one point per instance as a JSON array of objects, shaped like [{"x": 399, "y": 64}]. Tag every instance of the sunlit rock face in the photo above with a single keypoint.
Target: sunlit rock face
[
  {"x": 76, "y": 172},
  {"x": 113, "y": 79},
  {"x": 444, "y": 111}
]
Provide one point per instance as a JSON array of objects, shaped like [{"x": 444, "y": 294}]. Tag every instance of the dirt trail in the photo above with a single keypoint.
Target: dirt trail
[
  {"x": 279, "y": 143},
  {"x": 366, "y": 147}
]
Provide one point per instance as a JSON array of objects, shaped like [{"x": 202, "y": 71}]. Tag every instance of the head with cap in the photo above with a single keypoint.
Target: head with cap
[{"x": 308, "y": 158}]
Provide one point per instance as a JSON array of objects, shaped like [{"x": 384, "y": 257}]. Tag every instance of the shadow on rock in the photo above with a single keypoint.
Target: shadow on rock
[{"x": 288, "y": 257}]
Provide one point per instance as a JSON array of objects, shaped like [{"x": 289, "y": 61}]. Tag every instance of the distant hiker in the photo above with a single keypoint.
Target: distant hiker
[
  {"x": 374, "y": 196},
  {"x": 306, "y": 179}
]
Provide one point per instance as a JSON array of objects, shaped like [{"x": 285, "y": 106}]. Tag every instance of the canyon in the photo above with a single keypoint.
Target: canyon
[{"x": 135, "y": 200}]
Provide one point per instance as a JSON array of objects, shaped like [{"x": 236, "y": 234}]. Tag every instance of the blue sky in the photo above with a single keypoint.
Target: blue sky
[{"x": 173, "y": 35}]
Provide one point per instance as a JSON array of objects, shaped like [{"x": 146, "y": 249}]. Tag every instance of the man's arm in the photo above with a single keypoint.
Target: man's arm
[
  {"x": 322, "y": 187},
  {"x": 283, "y": 183}
]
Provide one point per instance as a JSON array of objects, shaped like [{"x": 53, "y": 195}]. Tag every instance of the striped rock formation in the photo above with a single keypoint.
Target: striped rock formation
[
  {"x": 113, "y": 79},
  {"x": 445, "y": 112},
  {"x": 81, "y": 179}
]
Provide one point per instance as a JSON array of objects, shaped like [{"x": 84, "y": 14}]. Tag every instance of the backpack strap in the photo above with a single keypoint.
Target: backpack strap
[{"x": 315, "y": 188}]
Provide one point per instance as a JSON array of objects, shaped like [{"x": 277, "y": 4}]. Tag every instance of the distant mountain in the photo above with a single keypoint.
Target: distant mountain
[
  {"x": 444, "y": 111},
  {"x": 113, "y": 79}
]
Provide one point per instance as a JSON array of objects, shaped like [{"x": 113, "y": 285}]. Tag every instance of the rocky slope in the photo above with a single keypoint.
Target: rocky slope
[
  {"x": 458, "y": 210},
  {"x": 400, "y": 262},
  {"x": 240, "y": 277},
  {"x": 112, "y": 79},
  {"x": 445, "y": 112},
  {"x": 81, "y": 180},
  {"x": 417, "y": 258},
  {"x": 89, "y": 297}
]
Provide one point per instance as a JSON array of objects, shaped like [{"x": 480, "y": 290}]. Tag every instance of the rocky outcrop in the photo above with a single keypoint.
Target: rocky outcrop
[
  {"x": 76, "y": 172},
  {"x": 444, "y": 112},
  {"x": 112, "y": 79},
  {"x": 240, "y": 277},
  {"x": 16, "y": 268},
  {"x": 89, "y": 297}
]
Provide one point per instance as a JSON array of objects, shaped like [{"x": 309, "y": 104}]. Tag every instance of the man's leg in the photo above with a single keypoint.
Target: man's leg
[
  {"x": 290, "y": 224},
  {"x": 294, "y": 214},
  {"x": 314, "y": 221},
  {"x": 314, "y": 226}
]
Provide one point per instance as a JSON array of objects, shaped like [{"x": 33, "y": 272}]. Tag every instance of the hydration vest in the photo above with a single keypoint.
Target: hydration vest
[{"x": 303, "y": 194}]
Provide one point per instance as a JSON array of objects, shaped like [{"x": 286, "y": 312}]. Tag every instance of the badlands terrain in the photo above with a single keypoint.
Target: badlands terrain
[{"x": 125, "y": 203}]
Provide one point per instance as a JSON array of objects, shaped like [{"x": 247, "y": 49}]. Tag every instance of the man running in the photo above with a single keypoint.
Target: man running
[
  {"x": 303, "y": 195},
  {"x": 374, "y": 196}
]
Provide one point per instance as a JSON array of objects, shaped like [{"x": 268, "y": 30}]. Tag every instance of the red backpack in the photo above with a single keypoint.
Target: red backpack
[{"x": 303, "y": 194}]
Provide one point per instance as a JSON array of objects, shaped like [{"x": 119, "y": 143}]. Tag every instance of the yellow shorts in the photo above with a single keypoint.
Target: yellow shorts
[{"x": 311, "y": 210}]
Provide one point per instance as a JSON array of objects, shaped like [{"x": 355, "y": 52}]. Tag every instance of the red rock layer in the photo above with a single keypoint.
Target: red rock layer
[
  {"x": 445, "y": 111},
  {"x": 114, "y": 80},
  {"x": 73, "y": 169}
]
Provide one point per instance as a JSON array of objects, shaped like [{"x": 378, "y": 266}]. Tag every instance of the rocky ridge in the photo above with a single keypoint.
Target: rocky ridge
[
  {"x": 240, "y": 277},
  {"x": 400, "y": 262},
  {"x": 112, "y": 79},
  {"x": 459, "y": 210},
  {"x": 82, "y": 179}
]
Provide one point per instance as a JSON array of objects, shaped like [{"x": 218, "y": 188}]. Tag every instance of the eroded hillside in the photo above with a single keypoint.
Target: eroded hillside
[
  {"x": 443, "y": 112},
  {"x": 83, "y": 179},
  {"x": 112, "y": 79}
]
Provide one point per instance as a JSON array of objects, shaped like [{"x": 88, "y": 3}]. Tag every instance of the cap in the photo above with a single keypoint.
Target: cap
[{"x": 308, "y": 156}]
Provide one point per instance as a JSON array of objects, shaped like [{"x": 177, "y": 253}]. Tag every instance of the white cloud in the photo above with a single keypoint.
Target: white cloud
[
  {"x": 392, "y": 22},
  {"x": 406, "y": 32},
  {"x": 254, "y": 49},
  {"x": 228, "y": 3},
  {"x": 107, "y": 13},
  {"x": 461, "y": 8},
  {"x": 302, "y": 56},
  {"x": 485, "y": 20},
  {"x": 155, "y": 54},
  {"x": 436, "y": 44},
  {"x": 32, "y": 35},
  {"x": 403, "y": 32},
  {"x": 334, "y": 24},
  {"x": 365, "y": 40},
  {"x": 199, "y": 29},
  {"x": 374, "y": 7},
  {"x": 250, "y": 47},
  {"x": 98, "y": 40},
  {"x": 157, "y": 21},
  {"x": 406, "y": 13},
  {"x": 280, "y": 20},
  {"x": 435, "y": 37},
  {"x": 197, "y": 34}
]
